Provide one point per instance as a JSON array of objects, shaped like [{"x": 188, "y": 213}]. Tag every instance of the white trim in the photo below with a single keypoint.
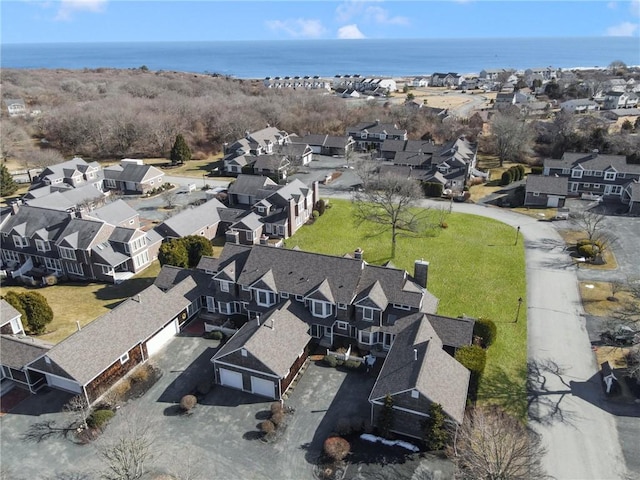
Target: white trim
[
  {"x": 244, "y": 368},
  {"x": 124, "y": 358}
]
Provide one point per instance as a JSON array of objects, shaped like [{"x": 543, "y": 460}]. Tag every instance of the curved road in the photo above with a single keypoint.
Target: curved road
[{"x": 581, "y": 438}]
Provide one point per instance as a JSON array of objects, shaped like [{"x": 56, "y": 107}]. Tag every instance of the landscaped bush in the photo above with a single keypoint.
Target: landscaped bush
[
  {"x": 267, "y": 427},
  {"x": 330, "y": 360},
  {"x": 473, "y": 357},
  {"x": 352, "y": 364},
  {"x": 321, "y": 206},
  {"x": 432, "y": 189},
  {"x": 277, "y": 418},
  {"x": 122, "y": 387},
  {"x": 214, "y": 335},
  {"x": 276, "y": 407},
  {"x": 141, "y": 374},
  {"x": 99, "y": 418},
  {"x": 588, "y": 251},
  {"x": 315, "y": 214},
  {"x": 521, "y": 171},
  {"x": 506, "y": 178},
  {"x": 487, "y": 330},
  {"x": 583, "y": 242},
  {"x": 336, "y": 448},
  {"x": 188, "y": 402},
  {"x": 536, "y": 170}
]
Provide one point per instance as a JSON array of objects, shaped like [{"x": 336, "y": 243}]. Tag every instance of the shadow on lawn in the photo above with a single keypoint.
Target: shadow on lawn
[{"x": 124, "y": 290}]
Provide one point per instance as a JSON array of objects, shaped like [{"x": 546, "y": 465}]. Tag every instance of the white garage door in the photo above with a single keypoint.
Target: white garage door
[
  {"x": 161, "y": 338},
  {"x": 230, "y": 379},
  {"x": 552, "y": 201},
  {"x": 262, "y": 387},
  {"x": 63, "y": 384}
]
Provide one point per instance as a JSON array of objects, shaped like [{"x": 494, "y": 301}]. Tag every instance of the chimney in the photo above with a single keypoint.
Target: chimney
[
  {"x": 377, "y": 121},
  {"x": 273, "y": 323},
  {"x": 264, "y": 240},
  {"x": 258, "y": 319},
  {"x": 415, "y": 354},
  {"x": 15, "y": 206},
  {"x": 358, "y": 254},
  {"x": 78, "y": 325},
  {"x": 421, "y": 272},
  {"x": 316, "y": 193}
]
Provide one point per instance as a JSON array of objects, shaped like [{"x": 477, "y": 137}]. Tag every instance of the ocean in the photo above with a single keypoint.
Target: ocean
[{"x": 326, "y": 58}]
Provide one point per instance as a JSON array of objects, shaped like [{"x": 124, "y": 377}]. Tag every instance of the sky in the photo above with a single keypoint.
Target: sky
[{"x": 45, "y": 21}]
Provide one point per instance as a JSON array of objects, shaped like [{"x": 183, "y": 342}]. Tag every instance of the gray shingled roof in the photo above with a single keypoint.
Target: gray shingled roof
[
  {"x": 16, "y": 352},
  {"x": 114, "y": 213},
  {"x": 171, "y": 276},
  {"x": 249, "y": 184},
  {"x": 90, "y": 351},
  {"x": 192, "y": 219},
  {"x": 435, "y": 374},
  {"x": 207, "y": 263},
  {"x": 104, "y": 253},
  {"x": 83, "y": 233},
  {"x": 273, "y": 346},
  {"x": 139, "y": 173},
  {"x": 29, "y": 220},
  {"x": 593, "y": 161},
  {"x": 547, "y": 184},
  {"x": 248, "y": 222},
  {"x": 454, "y": 332},
  {"x": 7, "y": 312}
]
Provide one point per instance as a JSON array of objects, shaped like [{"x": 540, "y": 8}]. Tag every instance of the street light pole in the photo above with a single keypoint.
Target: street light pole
[
  {"x": 518, "y": 312},
  {"x": 517, "y": 235}
]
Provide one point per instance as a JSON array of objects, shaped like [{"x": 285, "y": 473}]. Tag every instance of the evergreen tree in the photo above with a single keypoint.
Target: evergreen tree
[
  {"x": 174, "y": 252},
  {"x": 180, "y": 152},
  {"x": 436, "y": 436},
  {"x": 196, "y": 247},
  {"x": 37, "y": 310},
  {"x": 7, "y": 185},
  {"x": 13, "y": 299},
  {"x": 385, "y": 422}
]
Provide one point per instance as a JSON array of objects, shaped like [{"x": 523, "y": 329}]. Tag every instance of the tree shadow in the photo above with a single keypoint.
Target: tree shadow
[
  {"x": 187, "y": 382},
  {"x": 545, "y": 402},
  {"x": 124, "y": 290}
]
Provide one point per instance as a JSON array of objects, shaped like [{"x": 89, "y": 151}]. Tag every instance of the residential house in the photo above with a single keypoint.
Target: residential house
[
  {"x": 495, "y": 74},
  {"x": 594, "y": 174},
  {"x": 248, "y": 189},
  {"x": 15, "y": 107},
  {"x": 371, "y": 135},
  {"x": 546, "y": 191},
  {"x": 297, "y": 83},
  {"x": 73, "y": 173},
  {"x": 10, "y": 319},
  {"x": 297, "y": 152},
  {"x": 128, "y": 336},
  {"x": 274, "y": 166},
  {"x": 614, "y": 100},
  {"x": 615, "y": 85},
  {"x": 244, "y": 152},
  {"x": 66, "y": 198},
  {"x": 579, "y": 105},
  {"x": 133, "y": 177},
  {"x": 117, "y": 213},
  {"x": 544, "y": 73},
  {"x": 449, "y": 79},
  {"x": 419, "y": 82},
  {"x": 202, "y": 220},
  {"x": 38, "y": 243},
  {"x": 619, "y": 116},
  {"x": 290, "y": 297},
  {"x": 326, "y": 144}
]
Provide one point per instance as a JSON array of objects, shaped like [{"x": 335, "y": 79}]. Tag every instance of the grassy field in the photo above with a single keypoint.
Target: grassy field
[
  {"x": 192, "y": 168},
  {"x": 475, "y": 269},
  {"x": 84, "y": 302}
]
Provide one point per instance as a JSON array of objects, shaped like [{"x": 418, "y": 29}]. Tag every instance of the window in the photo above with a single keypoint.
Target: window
[
  {"x": 42, "y": 246},
  {"x": 536, "y": 194},
  {"x": 141, "y": 259},
  {"x": 597, "y": 173},
  {"x": 265, "y": 298},
  {"x": 299, "y": 298},
  {"x": 224, "y": 286},
  {"x": 245, "y": 288},
  {"x": 576, "y": 173},
  {"x": 565, "y": 171},
  {"x": 20, "y": 242},
  {"x": 316, "y": 331},
  {"x": 243, "y": 352},
  {"x": 225, "y": 308},
  {"x": 367, "y": 313},
  {"x": 596, "y": 185},
  {"x": 586, "y": 185},
  {"x": 106, "y": 270},
  {"x": 284, "y": 295},
  {"x": 401, "y": 307},
  {"x": 124, "y": 358},
  {"x": 75, "y": 268},
  {"x": 621, "y": 175},
  {"x": 342, "y": 306},
  {"x": 342, "y": 325},
  {"x": 365, "y": 337},
  {"x": 320, "y": 309},
  {"x": 131, "y": 221},
  {"x": 589, "y": 173},
  {"x": 53, "y": 264},
  {"x": 415, "y": 394},
  {"x": 609, "y": 175},
  {"x": 137, "y": 244},
  {"x": 67, "y": 253},
  {"x": 616, "y": 190},
  {"x": 249, "y": 236},
  {"x": 10, "y": 256}
]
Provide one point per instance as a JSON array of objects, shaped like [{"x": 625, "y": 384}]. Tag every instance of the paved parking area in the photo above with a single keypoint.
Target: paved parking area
[
  {"x": 323, "y": 165},
  {"x": 219, "y": 440}
]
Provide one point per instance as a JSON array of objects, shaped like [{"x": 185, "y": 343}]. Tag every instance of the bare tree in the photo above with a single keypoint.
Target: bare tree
[
  {"x": 511, "y": 136},
  {"x": 633, "y": 363},
  {"x": 591, "y": 223},
  {"x": 41, "y": 157},
  {"x": 390, "y": 201},
  {"x": 127, "y": 447},
  {"x": 12, "y": 136},
  {"x": 78, "y": 408},
  {"x": 491, "y": 445}
]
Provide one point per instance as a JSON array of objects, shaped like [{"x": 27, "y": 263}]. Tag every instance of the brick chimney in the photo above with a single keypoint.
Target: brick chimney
[
  {"x": 421, "y": 272},
  {"x": 358, "y": 254}
]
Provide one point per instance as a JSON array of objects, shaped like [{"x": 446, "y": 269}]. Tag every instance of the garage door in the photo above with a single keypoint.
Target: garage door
[
  {"x": 63, "y": 384},
  {"x": 263, "y": 387},
  {"x": 230, "y": 379},
  {"x": 161, "y": 338},
  {"x": 552, "y": 201}
]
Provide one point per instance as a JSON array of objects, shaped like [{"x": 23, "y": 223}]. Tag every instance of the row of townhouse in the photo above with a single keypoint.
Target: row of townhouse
[
  {"x": 106, "y": 244},
  {"x": 358, "y": 83},
  {"x": 284, "y": 299},
  {"x": 304, "y": 83},
  {"x": 451, "y": 164},
  {"x": 371, "y": 135}
]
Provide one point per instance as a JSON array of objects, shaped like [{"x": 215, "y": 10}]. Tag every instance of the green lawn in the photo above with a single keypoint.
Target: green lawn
[
  {"x": 84, "y": 302},
  {"x": 475, "y": 269}
]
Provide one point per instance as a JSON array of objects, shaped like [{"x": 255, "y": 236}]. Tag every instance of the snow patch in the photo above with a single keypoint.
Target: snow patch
[{"x": 392, "y": 443}]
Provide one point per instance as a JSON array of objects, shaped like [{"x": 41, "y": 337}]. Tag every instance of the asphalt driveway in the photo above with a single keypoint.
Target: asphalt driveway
[{"x": 219, "y": 439}]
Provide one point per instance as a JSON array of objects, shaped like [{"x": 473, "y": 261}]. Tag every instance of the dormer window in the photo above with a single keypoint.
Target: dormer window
[
  {"x": 42, "y": 246},
  {"x": 576, "y": 173},
  {"x": 609, "y": 175},
  {"x": 367, "y": 313},
  {"x": 415, "y": 394},
  {"x": 224, "y": 286},
  {"x": 67, "y": 253},
  {"x": 265, "y": 298},
  {"x": 20, "y": 242},
  {"x": 320, "y": 309}
]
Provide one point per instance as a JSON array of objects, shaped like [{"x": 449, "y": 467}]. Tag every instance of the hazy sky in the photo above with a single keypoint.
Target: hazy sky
[{"x": 33, "y": 21}]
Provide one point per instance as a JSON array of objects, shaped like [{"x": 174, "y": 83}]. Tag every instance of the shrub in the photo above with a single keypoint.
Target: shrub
[
  {"x": 444, "y": 225},
  {"x": 336, "y": 448},
  {"x": 330, "y": 360},
  {"x": 315, "y": 214},
  {"x": 99, "y": 418},
  {"x": 521, "y": 171},
  {"x": 352, "y": 364},
  {"x": 506, "y": 178},
  {"x": 277, "y": 418},
  {"x": 122, "y": 387},
  {"x": 432, "y": 189},
  {"x": 188, "y": 402},
  {"x": 487, "y": 330},
  {"x": 214, "y": 335},
  {"x": 536, "y": 170},
  {"x": 588, "y": 251},
  {"x": 321, "y": 206},
  {"x": 267, "y": 427},
  {"x": 343, "y": 426},
  {"x": 435, "y": 430},
  {"x": 140, "y": 375},
  {"x": 473, "y": 357},
  {"x": 583, "y": 242},
  {"x": 276, "y": 407}
]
